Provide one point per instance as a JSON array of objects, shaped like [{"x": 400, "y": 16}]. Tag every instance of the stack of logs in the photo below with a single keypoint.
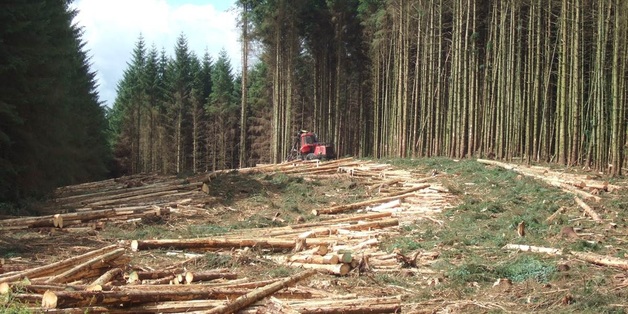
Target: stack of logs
[
  {"x": 345, "y": 239},
  {"x": 584, "y": 186},
  {"x": 100, "y": 281}
]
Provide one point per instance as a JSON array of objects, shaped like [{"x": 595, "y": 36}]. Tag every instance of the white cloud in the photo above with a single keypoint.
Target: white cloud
[{"x": 112, "y": 27}]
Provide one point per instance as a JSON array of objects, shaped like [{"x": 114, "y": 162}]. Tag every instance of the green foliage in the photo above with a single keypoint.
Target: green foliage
[
  {"x": 390, "y": 279},
  {"x": 49, "y": 110},
  {"x": 470, "y": 272},
  {"x": 584, "y": 246},
  {"x": 206, "y": 230},
  {"x": 526, "y": 267},
  {"x": 405, "y": 244},
  {"x": 9, "y": 306}
]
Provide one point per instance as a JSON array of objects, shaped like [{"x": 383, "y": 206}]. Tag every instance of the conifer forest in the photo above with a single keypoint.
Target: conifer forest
[{"x": 528, "y": 80}]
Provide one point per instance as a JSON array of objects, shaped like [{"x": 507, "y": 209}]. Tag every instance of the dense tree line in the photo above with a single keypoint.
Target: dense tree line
[
  {"x": 52, "y": 126},
  {"x": 175, "y": 114},
  {"x": 533, "y": 80},
  {"x": 538, "y": 80}
]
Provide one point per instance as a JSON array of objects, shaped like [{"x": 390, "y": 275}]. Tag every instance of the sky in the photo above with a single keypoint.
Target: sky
[{"x": 112, "y": 28}]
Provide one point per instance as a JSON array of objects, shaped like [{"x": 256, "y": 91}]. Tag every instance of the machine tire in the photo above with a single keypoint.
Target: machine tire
[{"x": 310, "y": 156}]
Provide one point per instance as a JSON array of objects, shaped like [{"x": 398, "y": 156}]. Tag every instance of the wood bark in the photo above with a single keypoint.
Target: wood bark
[
  {"x": 326, "y": 306},
  {"x": 60, "y": 220},
  {"x": 335, "y": 269},
  {"x": 56, "y": 267},
  {"x": 530, "y": 248},
  {"x": 314, "y": 259},
  {"x": 348, "y": 207},
  {"x": 78, "y": 270},
  {"x": 588, "y": 210},
  {"x": 218, "y": 243},
  {"x": 139, "y": 294},
  {"x": 191, "y": 277},
  {"x": 602, "y": 260},
  {"x": 258, "y": 294},
  {"x": 106, "y": 277}
]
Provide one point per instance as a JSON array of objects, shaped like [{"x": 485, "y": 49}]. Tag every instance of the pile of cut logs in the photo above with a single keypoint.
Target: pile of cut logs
[
  {"x": 584, "y": 186},
  {"x": 345, "y": 239},
  {"x": 100, "y": 281}
]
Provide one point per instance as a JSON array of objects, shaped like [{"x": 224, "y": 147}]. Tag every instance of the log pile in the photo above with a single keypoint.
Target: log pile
[
  {"x": 95, "y": 281},
  {"x": 584, "y": 186},
  {"x": 347, "y": 238},
  {"x": 344, "y": 240}
]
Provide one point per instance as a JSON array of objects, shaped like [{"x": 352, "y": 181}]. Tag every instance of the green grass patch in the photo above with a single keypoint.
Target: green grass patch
[
  {"x": 471, "y": 272},
  {"x": 526, "y": 267}
]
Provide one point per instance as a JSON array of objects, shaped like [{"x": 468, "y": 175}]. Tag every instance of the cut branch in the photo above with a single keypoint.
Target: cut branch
[{"x": 262, "y": 293}]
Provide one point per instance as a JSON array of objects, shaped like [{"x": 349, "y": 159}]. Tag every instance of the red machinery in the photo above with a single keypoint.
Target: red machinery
[{"x": 306, "y": 146}]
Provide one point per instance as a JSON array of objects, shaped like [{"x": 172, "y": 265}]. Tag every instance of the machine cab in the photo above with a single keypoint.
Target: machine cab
[{"x": 308, "y": 142}]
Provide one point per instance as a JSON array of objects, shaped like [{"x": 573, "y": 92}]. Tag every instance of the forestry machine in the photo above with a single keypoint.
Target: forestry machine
[{"x": 307, "y": 147}]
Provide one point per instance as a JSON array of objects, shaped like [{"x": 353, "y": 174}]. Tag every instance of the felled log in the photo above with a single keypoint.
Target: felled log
[
  {"x": 326, "y": 306},
  {"x": 41, "y": 288},
  {"x": 116, "y": 196},
  {"x": 78, "y": 271},
  {"x": 348, "y": 309},
  {"x": 60, "y": 220},
  {"x": 56, "y": 267},
  {"x": 132, "y": 198},
  {"x": 144, "y": 275},
  {"x": 82, "y": 310},
  {"x": 258, "y": 294},
  {"x": 385, "y": 206},
  {"x": 191, "y": 277},
  {"x": 335, "y": 269},
  {"x": 569, "y": 186},
  {"x": 105, "y": 278},
  {"x": 314, "y": 259},
  {"x": 529, "y": 248},
  {"x": 160, "y": 281},
  {"x": 139, "y": 294},
  {"x": 5, "y": 269},
  {"x": 194, "y": 306},
  {"x": 218, "y": 243},
  {"x": 328, "y": 166},
  {"x": 588, "y": 210},
  {"x": 602, "y": 260},
  {"x": 358, "y": 217},
  {"x": 378, "y": 224},
  {"x": 348, "y": 207},
  {"x": 578, "y": 192},
  {"x": 243, "y": 285}
]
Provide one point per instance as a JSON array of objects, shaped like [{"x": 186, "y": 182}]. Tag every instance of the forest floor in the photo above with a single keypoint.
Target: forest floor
[{"x": 450, "y": 237}]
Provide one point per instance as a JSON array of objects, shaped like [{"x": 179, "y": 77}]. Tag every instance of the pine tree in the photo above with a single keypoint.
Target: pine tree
[
  {"x": 223, "y": 111},
  {"x": 49, "y": 110}
]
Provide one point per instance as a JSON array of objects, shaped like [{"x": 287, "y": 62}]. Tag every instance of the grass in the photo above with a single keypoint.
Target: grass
[{"x": 493, "y": 201}]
